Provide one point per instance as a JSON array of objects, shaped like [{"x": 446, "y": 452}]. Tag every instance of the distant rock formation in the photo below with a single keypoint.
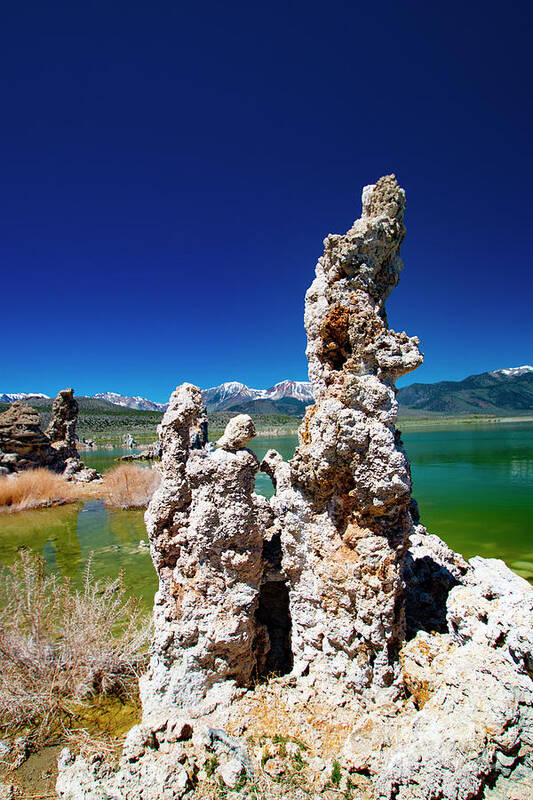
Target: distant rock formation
[
  {"x": 150, "y": 453},
  {"x": 128, "y": 441},
  {"x": 23, "y": 445},
  {"x": 62, "y": 428},
  {"x": 419, "y": 664}
]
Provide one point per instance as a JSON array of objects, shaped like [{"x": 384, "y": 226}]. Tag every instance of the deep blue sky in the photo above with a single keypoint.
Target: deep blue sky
[{"x": 169, "y": 171}]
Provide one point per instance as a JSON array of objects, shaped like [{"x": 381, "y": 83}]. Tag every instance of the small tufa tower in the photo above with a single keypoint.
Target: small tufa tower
[{"x": 62, "y": 428}]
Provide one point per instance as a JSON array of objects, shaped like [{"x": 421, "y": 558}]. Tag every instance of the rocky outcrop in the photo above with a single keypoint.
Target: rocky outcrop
[
  {"x": 415, "y": 662},
  {"x": 343, "y": 507},
  {"x": 62, "y": 428},
  {"x": 206, "y": 545},
  {"x": 469, "y": 727},
  {"x": 150, "y": 453},
  {"x": 128, "y": 441},
  {"x": 23, "y": 444}
]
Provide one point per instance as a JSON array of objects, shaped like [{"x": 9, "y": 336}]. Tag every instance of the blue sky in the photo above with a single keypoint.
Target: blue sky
[{"x": 169, "y": 171}]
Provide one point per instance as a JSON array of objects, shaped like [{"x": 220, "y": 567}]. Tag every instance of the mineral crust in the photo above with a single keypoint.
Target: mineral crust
[
  {"x": 409, "y": 666},
  {"x": 344, "y": 509},
  {"x": 206, "y": 545},
  {"x": 62, "y": 428}
]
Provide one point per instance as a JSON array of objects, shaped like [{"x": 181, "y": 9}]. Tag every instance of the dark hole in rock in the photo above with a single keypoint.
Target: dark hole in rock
[
  {"x": 427, "y": 586},
  {"x": 273, "y": 612},
  {"x": 272, "y": 553},
  {"x": 336, "y": 346}
]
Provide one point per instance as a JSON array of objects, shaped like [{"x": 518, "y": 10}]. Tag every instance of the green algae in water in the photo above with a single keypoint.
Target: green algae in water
[
  {"x": 106, "y": 718},
  {"x": 104, "y": 460},
  {"x": 67, "y": 535},
  {"x": 474, "y": 486}
]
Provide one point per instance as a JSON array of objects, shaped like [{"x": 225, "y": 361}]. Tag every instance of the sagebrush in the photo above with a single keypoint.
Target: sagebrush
[
  {"x": 130, "y": 486},
  {"x": 60, "y": 646},
  {"x": 33, "y": 488}
]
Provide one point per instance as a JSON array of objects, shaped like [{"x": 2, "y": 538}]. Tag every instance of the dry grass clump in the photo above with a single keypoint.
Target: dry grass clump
[
  {"x": 60, "y": 646},
  {"x": 33, "y": 488},
  {"x": 130, "y": 486}
]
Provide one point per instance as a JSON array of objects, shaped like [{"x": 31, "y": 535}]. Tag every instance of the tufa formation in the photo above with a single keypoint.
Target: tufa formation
[
  {"x": 328, "y": 612},
  {"x": 23, "y": 444}
]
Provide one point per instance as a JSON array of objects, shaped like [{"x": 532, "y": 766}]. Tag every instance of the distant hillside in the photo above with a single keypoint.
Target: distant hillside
[
  {"x": 108, "y": 422},
  {"x": 138, "y": 403},
  {"x": 107, "y": 417},
  {"x": 285, "y": 405},
  {"x": 504, "y": 391}
]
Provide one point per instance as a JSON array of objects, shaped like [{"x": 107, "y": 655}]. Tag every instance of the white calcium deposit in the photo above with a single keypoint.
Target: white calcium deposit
[{"x": 329, "y": 607}]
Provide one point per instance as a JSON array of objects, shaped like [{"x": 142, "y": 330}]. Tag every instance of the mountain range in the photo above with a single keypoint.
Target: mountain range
[
  {"x": 499, "y": 392},
  {"x": 10, "y": 398},
  {"x": 286, "y": 397},
  {"x": 138, "y": 403},
  {"x": 502, "y": 391}
]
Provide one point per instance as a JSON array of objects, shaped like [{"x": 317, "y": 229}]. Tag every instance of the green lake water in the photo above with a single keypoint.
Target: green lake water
[{"x": 474, "y": 486}]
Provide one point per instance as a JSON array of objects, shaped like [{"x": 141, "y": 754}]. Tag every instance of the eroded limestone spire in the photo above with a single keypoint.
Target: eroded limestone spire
[
  {"x": 206, "y": 545},
  {"x": 62, "y": 428},
  {"x": 313, "y": 586},
  {"x": 343, "y": 510}
]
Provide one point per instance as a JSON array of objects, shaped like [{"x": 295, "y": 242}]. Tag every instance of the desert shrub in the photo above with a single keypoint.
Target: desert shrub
[
  {"x": 60, "y": 646},
  {"x": 336, "y": 773},
  {"x": 130, "y": 486},
  {"x": 34, "y": 487}
]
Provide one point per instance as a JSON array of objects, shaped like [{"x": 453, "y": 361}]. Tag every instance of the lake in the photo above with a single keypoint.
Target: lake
[{"x": 474, "y": 486}]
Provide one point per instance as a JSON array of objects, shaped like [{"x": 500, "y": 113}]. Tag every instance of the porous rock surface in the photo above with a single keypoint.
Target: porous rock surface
[
  {"x": 343, "y": 506},
  {"x": 418, "y": 661},
  {"x": 62, "y": 428},
  {"x": 23, "y": 444},
  {"x": 206, "y": 545},
  {"x": 470, "y": 727}
]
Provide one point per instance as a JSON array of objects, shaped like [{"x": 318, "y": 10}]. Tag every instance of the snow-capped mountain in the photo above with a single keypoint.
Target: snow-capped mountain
[
  {"x": 300, "y": 390},
  {"x": 10, "y": 397},
  {"x": 229, "y": 395},
  {"x": 502, "y": 391},
  {"x": 506, "y": 389},
  {"x": 223, "y": 397},
  {"x": 513, "y": 370},
  {"x": 139, "y": 403},
  {"x": 218, "y": 398}
]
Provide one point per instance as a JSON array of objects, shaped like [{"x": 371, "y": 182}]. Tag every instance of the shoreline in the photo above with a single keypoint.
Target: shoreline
[{"x": 427, "y": 422}]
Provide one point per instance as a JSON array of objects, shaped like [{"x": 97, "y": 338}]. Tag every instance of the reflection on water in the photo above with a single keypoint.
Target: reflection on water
[
  {"x": 473, "y": 484},
  {"x": 104, "y": 460},
  {"x": 67, "y": 535},
  {"x": 521, "y": 470},
  {"x": 474, "y": 487}
]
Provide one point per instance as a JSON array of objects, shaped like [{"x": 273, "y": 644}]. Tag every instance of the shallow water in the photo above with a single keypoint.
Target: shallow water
[
  {"x": 104, "y": 460},
  {"x": 68, "y": 535},
  {"x": 474, "y": 486}
]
